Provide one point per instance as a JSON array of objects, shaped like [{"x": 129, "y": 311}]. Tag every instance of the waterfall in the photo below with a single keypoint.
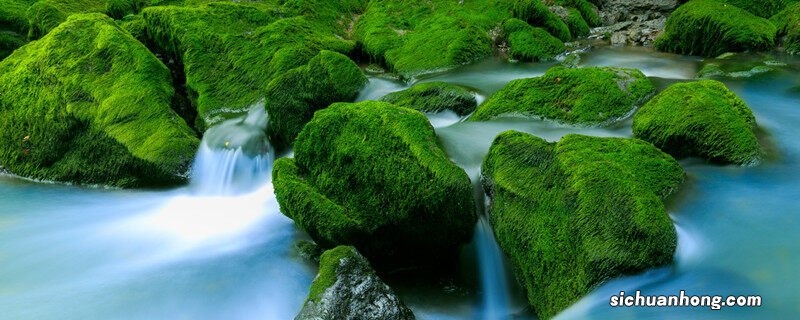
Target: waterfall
[
  {"x": 235, "y": 156},
  {"x": 496, "y": 297}
]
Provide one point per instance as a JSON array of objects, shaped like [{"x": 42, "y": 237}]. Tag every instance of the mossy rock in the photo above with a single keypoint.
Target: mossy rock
[
  {"x": 527, "y": 43},
  {"x": 587, "y": 96},
  {"x": 292, "y": 98},
  {"x": 371, "y": 175},
  {"x": 231, "y": 52},
  {"x": 702, "y": 119},
  {"x": 348, "y": 288},
  {"x": 572, "y": 214},
  {"x": 89, "y": 104},
  {"x": 761, "y": 8},
  {"x": 536, "y": 13},
  {"x": 710, "y": 28},
  {"x": 788, "y": 23},
  {"x": 433, "y": 97},
  {"x": 10, "y": 41}
]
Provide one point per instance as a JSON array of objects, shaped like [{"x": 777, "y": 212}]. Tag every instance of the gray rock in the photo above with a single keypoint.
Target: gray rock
[
  {"x": 348, "y": 288},
  {"x": 633, "y": 22}
]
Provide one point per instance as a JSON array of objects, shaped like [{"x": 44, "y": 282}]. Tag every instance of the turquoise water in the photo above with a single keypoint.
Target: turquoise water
[{"x": 70, "y": 252}]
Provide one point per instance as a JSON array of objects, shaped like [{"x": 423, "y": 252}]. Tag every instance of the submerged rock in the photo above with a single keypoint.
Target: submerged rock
[
  {"x": 702, "y": 119},
  {"x": 89, "y": 104},
  {"x": 434, "y": 97},
  {"x": 788, "y": 23},
  {"x": 347, "y": 288},
  {"x": 371, "y": 175},
  {"x": 573, "y": 214},
  {"x": 592, "y": 96},
  {"x": 292, "y": 98},
  {"x": 710, "y": 28}
]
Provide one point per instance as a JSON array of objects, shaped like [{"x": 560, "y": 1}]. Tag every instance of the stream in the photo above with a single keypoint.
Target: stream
[{"x": 219, "y": 248}]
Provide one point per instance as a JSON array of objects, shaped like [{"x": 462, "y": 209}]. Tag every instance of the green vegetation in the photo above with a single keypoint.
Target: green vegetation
[
  {"x": 577, "y": 26},
  {"x": 294, "y": 96},
  {"x": 432, "y": 97},
  {"x": 595, "y": 95},
  {"x": 232, "y": 51},
  {"x": 701, "y": 119},
  {"x": 788, "y": 23},
  {"x": 761, "y": 8},
  {"x": 536, "y": 13},
  {"x": 10, "y": 41},
  {"x": 89, "y": 104},
  {"x": 371, "y": 175},
  {"x": 566, "y": 212},
  {"x": 710, "y": 28},
  {"x": 528, "y": 43}
]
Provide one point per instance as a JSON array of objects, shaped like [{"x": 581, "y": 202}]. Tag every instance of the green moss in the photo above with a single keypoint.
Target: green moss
[
  {"x": 577, "y": 26},
  {"x": 710, "y": 28},
  {"x": 10, "y": 41},
  {"x": 232, "y": 51},
  {"x": 566, "y": 212},
  {"x": 534, "y": 12},
  {"x": 293, "y": 97},
  {"x": 134, "y": 24},
  {"x": 329, "y": 263},
  {"x": 527, "y": 43},
  {"x": 118, "y": 9},
  {"x": 14, "y": 15},
  {"x": 587, "y": 11},
  {"x": 371, "y": 175},
  {"x": 434, "y": 97},
  {"x": 701, "y": 119},
  {"x": 595, "y": 95},
  {"x": 788, "y": 23},
  {"x": 761, "y": 8},
  {"x": 89, "y": 104}
]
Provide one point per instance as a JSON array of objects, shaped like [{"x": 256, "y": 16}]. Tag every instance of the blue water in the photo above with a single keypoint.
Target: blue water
[{"x": 70, "y": 252}]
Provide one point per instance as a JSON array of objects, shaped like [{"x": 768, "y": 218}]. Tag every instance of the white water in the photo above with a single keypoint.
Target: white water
[{"x": 494, "y": 281}]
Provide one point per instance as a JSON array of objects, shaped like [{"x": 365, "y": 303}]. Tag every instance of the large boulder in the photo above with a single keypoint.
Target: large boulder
[
  {"x": 371, "y": 175},
  {"x": 788, "y": 23},
  {"x": 292, "y": 98},
  {"x": 573, "y": 214},
  {"x": 231, "y": 52},
  {"x": 702, "y": 119},
  {"x": 710, "y": 28},
  {"x": 433, "y": 97},
  {"x": 593, "y": 96},
  {"x": 348, "y": 288},
  {"x": 89, "y": 104},
  {"x": 527, "y": 43},
  {"x": 761, "y": 8}
]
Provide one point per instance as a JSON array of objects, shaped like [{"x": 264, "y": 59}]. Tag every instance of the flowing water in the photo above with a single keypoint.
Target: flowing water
[{"x": 220, "y": 249}]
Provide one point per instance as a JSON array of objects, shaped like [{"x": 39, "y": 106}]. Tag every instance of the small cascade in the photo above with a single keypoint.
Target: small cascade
[
  {"x": 235, "y": 157},
  {"x": 496, "y": 297}
]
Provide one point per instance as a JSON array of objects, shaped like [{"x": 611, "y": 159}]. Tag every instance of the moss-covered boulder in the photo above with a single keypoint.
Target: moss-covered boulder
[
  {"x": 788, "y": 23},
  {"x": 761, "y": 8},
  {"x": 231, "y": 52},
  {"x": 10, "y": 41},
  {"x": 527, "y": 43},
  {"x": 536, "y": 13},
  {"x": 89, "y": 104},
  {"x": 348, "y": 288},
  {"x": 371, "y": 175},
  {"x": 433, "y": 97},
  {"x": 293, "y": 97},
  {"x": 573, "y": 214},
  {"x": 702, "y": 119},
  {"x": 591, "y": 96},
  {"x": 710, "y": 28}
]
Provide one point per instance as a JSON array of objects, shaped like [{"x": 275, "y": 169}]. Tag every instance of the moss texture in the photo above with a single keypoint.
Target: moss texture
[
  {"x": 788, "y": 23},
  {"x": 702, "y": 119},
  {"x": 294, "y": 96},
  {"x": 573, "y": 214},
  {"x": 432, "y": 97},
  {"x": 537, "y": 13},
  {"x": 761, "y": 8},
  {"x": 594, "y": 95},
  {"x": 371, "y": 175},
  {"x": 89, "y": 104},
  {"x": 10, "y": 41},
  {"x": 527, "y": 43},
  {"x": 232, "y": 51},
  {"x": 710, "y": 28}
]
